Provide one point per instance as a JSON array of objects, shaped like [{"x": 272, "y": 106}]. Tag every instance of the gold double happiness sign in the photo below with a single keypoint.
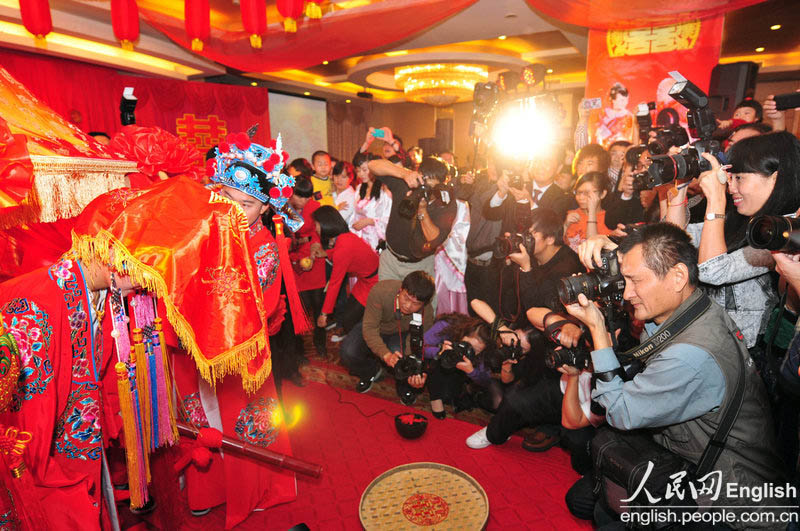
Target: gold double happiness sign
[{"x": 652, "y": 40}]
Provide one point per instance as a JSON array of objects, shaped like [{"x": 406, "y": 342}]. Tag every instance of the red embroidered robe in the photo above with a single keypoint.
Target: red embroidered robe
[
  {"x": 66, "y": 366},
  {"x": 243, "y": 484}
]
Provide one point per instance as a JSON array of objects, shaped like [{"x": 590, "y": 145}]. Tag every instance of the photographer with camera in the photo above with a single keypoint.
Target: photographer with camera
[
  {"x": 695, "y": 379},
  {"x": 764, "y": 179},
  {"x": 423, "y": 211},
  {"x": 385, "y": 335},
  {"x": 460, "y": 343}
]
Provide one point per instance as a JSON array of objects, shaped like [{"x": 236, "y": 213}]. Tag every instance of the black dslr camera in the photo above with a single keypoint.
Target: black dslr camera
[
  {"x": 603, "y": 284},
  {"x": 409, "y": 204},
  {"x": 556, "y": 356},
  {"x": 774, "y": 233},
  {"x": 689, "y": 163},
  {"x": 412, "y": 363},
  {"x": 506, "y": 245},
  {"x": 451, "y": 357}
]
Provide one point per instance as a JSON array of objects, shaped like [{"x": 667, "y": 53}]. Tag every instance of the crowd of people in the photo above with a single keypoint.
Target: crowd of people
[{"x": 675, "y": 342}]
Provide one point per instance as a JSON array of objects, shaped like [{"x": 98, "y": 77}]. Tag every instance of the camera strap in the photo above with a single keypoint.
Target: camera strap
[{"x": 674, "y": 326}]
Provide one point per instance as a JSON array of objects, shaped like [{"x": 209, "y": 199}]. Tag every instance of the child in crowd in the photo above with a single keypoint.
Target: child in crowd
[{"x": 344, "y": 196}]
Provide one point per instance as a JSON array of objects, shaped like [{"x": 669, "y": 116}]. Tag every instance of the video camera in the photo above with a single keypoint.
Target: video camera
[
  {"x": 127, "y": 106},
  {"x": 604, "y": 284},
  {"x": 412, "y": 363},
  {"x": 556, "y": 356},
  {"x": 774, "y": 233},
  {"x": 455, "y": 355},
  {"x": 689, "y": 163}
]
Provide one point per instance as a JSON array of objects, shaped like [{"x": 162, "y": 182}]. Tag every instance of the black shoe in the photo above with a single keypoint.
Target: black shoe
[
  {"x": 147, "y": 508},
  {"x": 365, "y": 384},
  {"x": 441, "y": 415},
  {"x": 408, "y": 398},
  {"x": 200, "y": 512},
  {"x": 464, "y": 403},
  {"x": 320, "y": 342}
]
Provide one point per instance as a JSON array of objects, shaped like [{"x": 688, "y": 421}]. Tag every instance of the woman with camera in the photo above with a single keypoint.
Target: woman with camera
[
  {"x": 763, "y": 178},
  {"x": 350, "y": 255},
  {"x": 460, "y": 343}
]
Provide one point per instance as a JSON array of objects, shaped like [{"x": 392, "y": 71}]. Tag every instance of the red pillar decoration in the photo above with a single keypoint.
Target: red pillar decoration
[
  {"x": 313, "y": 10},
  {"x": 291, "y": 10},
  {"x": 198, "y": 22},
  {"x": 125, "y": 21},
  {"x": 36, "y": 18},
  {"x": 254, "y": 19}
]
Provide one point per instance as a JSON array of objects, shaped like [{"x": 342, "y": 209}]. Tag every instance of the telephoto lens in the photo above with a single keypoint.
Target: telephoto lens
[
  {"x": 774, "y": 233},
  {"x": 574, "y": 357}
]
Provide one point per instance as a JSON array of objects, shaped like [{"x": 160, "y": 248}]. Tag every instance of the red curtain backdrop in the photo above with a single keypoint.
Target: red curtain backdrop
[
  {"x": 641, "y": 60},
  {"x": 89, "y": 96},
  {"x": 341, "y": 34},
  {"x": 605, "y": 14}
]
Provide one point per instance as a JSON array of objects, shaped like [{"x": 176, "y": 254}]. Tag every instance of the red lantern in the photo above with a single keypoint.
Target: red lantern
[
  {"x": 36, "y": 18},
  {"x": 198, "y": 22},
  {"x": 125, "y": 21},
  {"x": 313, "y": 10},
  {"x": 291, "y": 10},
  {"x": 254, "y": 19}
]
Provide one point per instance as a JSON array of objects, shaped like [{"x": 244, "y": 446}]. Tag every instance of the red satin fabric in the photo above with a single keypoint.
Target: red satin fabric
[
  {"x": 614, "y": 14},
  {"x": 156, "y": 150},
  {"x": 340, "y": 34}
]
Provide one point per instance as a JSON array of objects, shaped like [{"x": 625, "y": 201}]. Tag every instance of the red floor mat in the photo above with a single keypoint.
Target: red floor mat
[{"x": 525, "y": 490}]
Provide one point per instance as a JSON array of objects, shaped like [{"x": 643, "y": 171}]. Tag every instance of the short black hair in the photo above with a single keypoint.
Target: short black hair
[
  {"x": 302, "y": 166},
  {"x": 546, "y": 221},
  {"x": 664, "y": 245},
  {"x": 331, "y": 223},
  {"x": 211, "y": 153},
  {"x": 434, "y": 168},
  {"x": 766, "y": 154},
  {"x": 753, "y": 104},
  {"x": 303, "y": 187},
  {"x": 617, "y": 88},
  {"x": 619, "y": 143},
  {"x": 760, "y": 127},
  {"x": 319, "y": 153},
  {"x": 98, "y": 133},
  {"x": 361, "y": 158},
  {"x": 419, "y": 285},
  {"x": 592, "y": 150},
  {"x": 633, "y": 153}
]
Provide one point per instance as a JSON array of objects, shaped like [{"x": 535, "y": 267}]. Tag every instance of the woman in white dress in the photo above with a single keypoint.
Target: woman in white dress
[
  {"x": 373, "y": 204},
  {"x": 449, "y": 265}
]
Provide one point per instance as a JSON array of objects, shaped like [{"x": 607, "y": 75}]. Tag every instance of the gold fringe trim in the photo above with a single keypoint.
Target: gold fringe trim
[
  {"x": 129, "y": 432},
  {"x": 63, "y": 186},
  {"x": 232, "y": 361}
]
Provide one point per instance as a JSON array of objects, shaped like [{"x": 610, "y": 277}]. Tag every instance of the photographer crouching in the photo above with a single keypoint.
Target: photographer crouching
[{"x": 696, "y": 404}]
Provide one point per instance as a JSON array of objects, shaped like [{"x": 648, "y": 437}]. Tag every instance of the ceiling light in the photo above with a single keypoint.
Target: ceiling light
[
  {"x": 398, "y": 52},
  {"x": 253, "y": 84},
  {"x": 347, "y": 101},
  {"x": 306, "y": 93},
  {"x": 324, "y": 62},
  {"x": 775, "y": 27},
  {"x": 549, "y": 70},
  {"x": 440, "y": 84},
  {"x": 502, "y": 37},
  {"x": 760, "y": 49}
]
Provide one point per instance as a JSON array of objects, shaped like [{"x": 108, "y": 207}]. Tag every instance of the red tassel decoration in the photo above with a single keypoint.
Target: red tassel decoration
[
  {"x": 299, "y": 317},
  {"x": 254, "y": 19},
  {"x": 198, "y": 22},
  {"x": 125, "y": 21},
  {"x": 36, "y": 18}
]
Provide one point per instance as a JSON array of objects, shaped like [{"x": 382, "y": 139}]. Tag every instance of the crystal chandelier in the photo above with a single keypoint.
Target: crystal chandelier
[{"x": 439, "y": 84}]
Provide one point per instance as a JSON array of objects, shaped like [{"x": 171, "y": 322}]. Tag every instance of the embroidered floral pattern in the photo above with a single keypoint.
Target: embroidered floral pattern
[
  {"x": 225, "y": 282},
  {"x": 193, "y": 411},
  {"x": 62, "y": 272},
  {"x": 267, "y": 263},
  {"x": 78, "y": 432},
  {"x": 30, "y": 327},
  {"x": 255, "y": 423}
]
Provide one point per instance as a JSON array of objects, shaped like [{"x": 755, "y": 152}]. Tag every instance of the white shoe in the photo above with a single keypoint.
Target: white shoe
[{"x": 478, "y": 440}]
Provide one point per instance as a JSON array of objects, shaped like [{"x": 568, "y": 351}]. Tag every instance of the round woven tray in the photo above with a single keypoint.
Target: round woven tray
[{"x": 424, "y": 496}]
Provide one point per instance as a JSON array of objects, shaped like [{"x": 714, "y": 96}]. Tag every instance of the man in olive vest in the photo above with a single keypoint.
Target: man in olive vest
[{"x": 690, "y": 371}]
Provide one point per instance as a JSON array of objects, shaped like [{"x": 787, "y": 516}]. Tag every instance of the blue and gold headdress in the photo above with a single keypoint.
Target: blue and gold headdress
[{"x": 250, "y": 167}]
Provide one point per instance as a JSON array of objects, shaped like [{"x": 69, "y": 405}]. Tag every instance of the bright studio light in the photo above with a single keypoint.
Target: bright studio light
[{"x": 524, "y": 129}]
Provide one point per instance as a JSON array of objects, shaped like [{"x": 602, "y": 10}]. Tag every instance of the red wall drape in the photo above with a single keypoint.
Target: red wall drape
[
  {"x": 341, "y": 34},
  {"x": 89, "y": 96},
  {"x": 605, "y": 14}
]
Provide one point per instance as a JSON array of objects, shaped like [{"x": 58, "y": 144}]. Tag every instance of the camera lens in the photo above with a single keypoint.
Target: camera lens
[
  {"x": 570, "y": 287},
  {"x": 772, "y": 233}
]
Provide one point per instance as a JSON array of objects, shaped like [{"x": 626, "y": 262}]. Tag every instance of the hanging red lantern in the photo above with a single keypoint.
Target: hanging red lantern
[
  {"x": 125, "y": 21},
  {"x": 198, "y": 22},
  {"x": 36, "y": 18},
  {"x": 291, "y": 10},
  {"x": 254, "y": 19},
  {"x": 313, "y": 10}
]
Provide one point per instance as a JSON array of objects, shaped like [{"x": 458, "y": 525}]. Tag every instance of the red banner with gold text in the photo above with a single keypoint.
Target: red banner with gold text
[{"x": 638, "y": 61}]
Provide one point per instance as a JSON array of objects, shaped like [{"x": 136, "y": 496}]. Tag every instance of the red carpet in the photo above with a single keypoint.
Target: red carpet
[{"x": 526, "y": 490}]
